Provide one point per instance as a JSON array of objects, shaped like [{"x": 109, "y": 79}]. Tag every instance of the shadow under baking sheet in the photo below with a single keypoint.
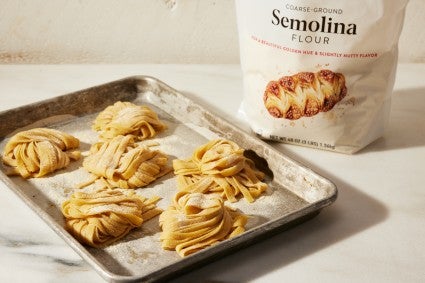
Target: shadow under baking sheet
[{"x": 340, "y": 221}]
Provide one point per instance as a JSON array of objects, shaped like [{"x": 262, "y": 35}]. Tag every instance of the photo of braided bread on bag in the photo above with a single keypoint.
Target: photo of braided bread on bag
[{"x": 304, "y": 94}]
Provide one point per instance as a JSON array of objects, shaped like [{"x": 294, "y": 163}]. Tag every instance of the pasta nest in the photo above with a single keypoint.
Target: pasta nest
[
  {"x": 122, "y": 163},
  {"x": 196, "y": 221},
  {"x": 38, "y": 152},
  {"x": 123, "y": 118},
  {"x": 219, "y": 166},
  {"x": 102, "y": 217}
]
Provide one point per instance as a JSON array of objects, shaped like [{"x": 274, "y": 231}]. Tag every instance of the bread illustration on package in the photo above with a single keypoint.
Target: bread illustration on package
[{"x": 304, "y": 94}]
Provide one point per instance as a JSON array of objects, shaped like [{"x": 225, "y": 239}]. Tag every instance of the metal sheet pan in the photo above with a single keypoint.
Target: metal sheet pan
[{"x": 295, "y": 192}]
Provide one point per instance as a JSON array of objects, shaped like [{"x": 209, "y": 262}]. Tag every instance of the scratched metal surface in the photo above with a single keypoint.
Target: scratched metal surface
[{"x": 295, "y": 193}]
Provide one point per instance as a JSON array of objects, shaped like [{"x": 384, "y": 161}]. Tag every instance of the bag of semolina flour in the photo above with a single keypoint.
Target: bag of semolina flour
[{"x": 319, "y": 73}]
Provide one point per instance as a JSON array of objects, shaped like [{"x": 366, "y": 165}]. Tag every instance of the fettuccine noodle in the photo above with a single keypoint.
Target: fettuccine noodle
[
  {"x": 121, "y": 163},
  {"x": 39, "y": 151},
  {"x": 220, "y": 166},
  {"x": 100, "y": 218},
  {"x": 125, "y": 118},
  {"x": 196, "y": 221}
]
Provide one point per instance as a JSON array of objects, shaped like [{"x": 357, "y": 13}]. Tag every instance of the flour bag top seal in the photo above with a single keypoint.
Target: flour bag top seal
[{"x": 319, "y": 73}]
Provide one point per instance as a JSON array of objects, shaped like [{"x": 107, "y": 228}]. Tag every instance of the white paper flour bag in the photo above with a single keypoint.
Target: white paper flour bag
[{"x": 319, "y": 73}]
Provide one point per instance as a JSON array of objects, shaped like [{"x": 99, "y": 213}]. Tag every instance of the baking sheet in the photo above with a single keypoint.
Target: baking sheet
[{"x": 295, "y": 192}]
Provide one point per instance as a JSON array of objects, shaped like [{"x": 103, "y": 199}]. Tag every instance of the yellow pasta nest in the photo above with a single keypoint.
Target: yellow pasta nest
[
  {"x": 196, "y": 221},
  {"x": 39, "y": 151},
  {"x": 123, "y": 118},
  {"x": 121, "y": 163},
  {"x": 100, "y": 218},
  {"x": 219, "y": 166}
]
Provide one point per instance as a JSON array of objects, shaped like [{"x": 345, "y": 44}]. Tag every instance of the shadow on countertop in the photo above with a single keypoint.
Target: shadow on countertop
[{"x": 352, "y": 213}]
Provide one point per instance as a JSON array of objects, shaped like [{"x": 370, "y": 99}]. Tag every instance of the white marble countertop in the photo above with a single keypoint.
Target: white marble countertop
[{"x": 374, "y": 232}]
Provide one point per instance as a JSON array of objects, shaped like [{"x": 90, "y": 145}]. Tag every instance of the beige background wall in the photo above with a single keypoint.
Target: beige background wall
[{"x": 142, "y": 31}]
